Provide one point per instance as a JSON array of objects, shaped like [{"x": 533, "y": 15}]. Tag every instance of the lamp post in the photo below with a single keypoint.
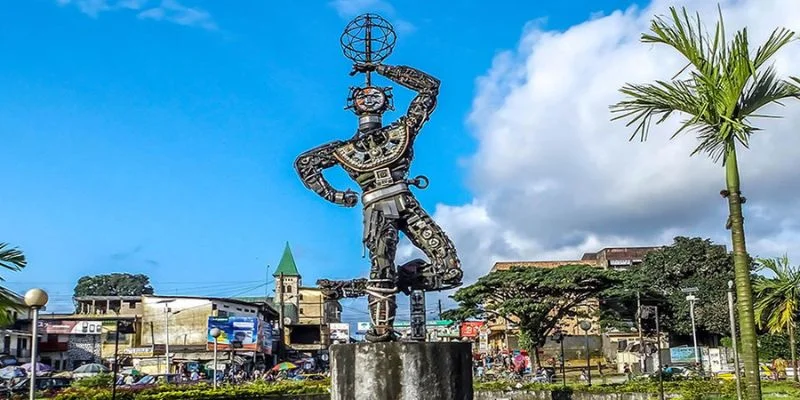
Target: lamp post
[
  {"x": 586, "y": 326},
  {"x": 691, "y": 298},
  {"x": 732, "y": 317},
  {"x": 35, "y": 299},
  {"x": 215, "y": 332}
]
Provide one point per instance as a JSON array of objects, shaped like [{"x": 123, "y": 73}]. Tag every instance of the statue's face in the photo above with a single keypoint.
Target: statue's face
[{"x": 369, "y": 100}]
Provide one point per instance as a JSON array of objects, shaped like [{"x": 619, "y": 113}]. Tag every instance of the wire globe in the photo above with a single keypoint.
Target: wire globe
[{"x": 368, "y": 39}]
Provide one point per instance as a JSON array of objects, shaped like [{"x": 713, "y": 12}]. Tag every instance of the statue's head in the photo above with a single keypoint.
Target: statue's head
[{"x": 369, "y": 103}]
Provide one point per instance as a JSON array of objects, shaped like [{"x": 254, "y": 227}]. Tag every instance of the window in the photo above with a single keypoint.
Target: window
[
  {"x": 111, "y": 337},
  {"x": 289, "y": 288},
  {"x": 132, "y": 304},
  {"x": 299, "y": 297},
  {"x": 301, "y": 311},
  {"x": 7, "y": 344},
  {"x": 238, "y": 309}
]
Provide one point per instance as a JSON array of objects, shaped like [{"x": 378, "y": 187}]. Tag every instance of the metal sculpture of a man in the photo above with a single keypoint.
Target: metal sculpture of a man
[{"x": 378, "y": 158}]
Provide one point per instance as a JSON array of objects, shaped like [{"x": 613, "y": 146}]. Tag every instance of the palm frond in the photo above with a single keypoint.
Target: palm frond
[
  {"x": 777, "y": 299},
  {"x": 11, "y": 258},
  {"x": 725, "y": 85}
]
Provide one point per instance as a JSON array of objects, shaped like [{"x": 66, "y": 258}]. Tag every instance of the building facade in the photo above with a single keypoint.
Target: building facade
[
  {"x": 502, "y": 333},
  {"x": 305, "y": 313},
  {"x": 180, "y": 324}
]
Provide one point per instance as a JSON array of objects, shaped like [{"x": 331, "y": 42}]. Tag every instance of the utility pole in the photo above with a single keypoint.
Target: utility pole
[
  {"x": 642, "y": 351},
  {"x": 166, "y": 331},
  {"x": 281, "y": 350},
  {"x": 658, "y": 348},
  {"x": 266, "y": 285},
  {"x": 650, "y": 312},
  {"x": 732, "y": 317},
  {"x": 440, "y": 309}
]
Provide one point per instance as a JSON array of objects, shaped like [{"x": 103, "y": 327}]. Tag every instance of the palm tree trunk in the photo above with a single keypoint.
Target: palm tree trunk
[
  {"x": 744, "y": 290},
  {"x": 793, "y": 349}
]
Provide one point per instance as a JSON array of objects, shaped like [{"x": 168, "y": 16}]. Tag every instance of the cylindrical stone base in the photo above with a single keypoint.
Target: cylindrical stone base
[{"x": 401, "y": 371}]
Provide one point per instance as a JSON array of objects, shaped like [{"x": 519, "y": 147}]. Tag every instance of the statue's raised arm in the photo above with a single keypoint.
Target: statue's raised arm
[
  {"x": 426, "y": 86},
  {"x": 310, "y": 165}
]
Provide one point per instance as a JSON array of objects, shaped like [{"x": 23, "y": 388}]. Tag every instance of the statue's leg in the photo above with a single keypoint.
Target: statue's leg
[
  {"x": 381, "y": 241},
  {"x": 444, "y": 269}
]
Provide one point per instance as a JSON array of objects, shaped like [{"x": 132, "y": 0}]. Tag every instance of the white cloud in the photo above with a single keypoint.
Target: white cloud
[
  {"x": 552, "y": 177},
  {"x": 164, "y": 10}
]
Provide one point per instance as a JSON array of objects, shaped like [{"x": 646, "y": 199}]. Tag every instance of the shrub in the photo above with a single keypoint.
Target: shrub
[{"x": 97, "y": 381}]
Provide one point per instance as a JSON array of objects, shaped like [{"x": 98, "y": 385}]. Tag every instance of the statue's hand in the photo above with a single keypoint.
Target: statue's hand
[
  {"x": 350, "y": 198},
  {"x": 365, "y": 67}
]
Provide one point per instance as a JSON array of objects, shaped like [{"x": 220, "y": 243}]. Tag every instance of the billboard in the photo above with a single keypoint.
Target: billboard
[
  {"x": 67, "y": 327},
  {"x": 237, "y": 333},
  {"x": 471, "y": 329},
  {"x": 340, "y": 332},
  {"x": 363, "y": 327},
  {"x": 681, "y": 355}
]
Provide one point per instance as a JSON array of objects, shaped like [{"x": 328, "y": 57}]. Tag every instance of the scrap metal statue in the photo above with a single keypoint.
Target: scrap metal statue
[{"x": 378, "y": 158}]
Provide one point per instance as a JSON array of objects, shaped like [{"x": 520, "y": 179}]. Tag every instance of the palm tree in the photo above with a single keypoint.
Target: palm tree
[
  {"x": 720, "y": 90},
  {"x": 12, "y": 259},
  {"x": 778, "y": 300}
]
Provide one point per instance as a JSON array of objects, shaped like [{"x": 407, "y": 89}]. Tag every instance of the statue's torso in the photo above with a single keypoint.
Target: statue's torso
[{"x": 377, "y": 158}]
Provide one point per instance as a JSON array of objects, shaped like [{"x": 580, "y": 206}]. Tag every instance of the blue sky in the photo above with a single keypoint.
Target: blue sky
[{"x": 160, "y": 140}]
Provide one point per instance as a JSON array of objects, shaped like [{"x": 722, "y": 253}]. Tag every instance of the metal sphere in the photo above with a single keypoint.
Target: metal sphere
[
  {"x": 36, "y": 298},
  {"x": 215, "y": 332},
  {"x": 368, "y": 39},
  {"x": 586, "y": 325}
]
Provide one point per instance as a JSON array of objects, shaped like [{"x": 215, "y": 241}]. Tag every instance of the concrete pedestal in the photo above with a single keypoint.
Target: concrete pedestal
[{"x": 401, "y": 371}]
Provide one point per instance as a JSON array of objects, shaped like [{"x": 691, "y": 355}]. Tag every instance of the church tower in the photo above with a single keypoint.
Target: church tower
[{"x": 289, "y": 288}]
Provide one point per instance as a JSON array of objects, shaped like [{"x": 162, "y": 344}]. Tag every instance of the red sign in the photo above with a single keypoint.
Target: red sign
[{"x": 471, "y": 328}]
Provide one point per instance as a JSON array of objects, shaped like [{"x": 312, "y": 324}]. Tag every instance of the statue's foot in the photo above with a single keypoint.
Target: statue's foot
[
  {"x": 419, "y": 275},
  {"x": 373, "y": 336},
  {"x": 339, "y": 289}
]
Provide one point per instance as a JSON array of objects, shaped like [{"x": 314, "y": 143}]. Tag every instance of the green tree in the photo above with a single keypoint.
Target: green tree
[
  {"x": 116, "y": 284},
  {"x": 777, "y": 300},
  {"x": 536, "y": 299},
  {"x": 687, "y": 262},
  {"x": 721, "y": 89}
]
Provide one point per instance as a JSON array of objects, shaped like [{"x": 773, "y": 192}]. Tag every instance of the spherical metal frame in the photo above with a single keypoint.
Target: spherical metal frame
[
  {"x": 36, "y": 298},
  {"x": 361, "y": 46}
]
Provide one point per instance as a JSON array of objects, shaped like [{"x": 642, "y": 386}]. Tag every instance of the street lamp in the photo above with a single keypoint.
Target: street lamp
[
  {"x": 35, "y": 299},
  {"x": 586, "y": 326},
  {"x": 215, "y": 332},
  {"x": 733, "y": 339},
  {"x": 691, "y": 298}
]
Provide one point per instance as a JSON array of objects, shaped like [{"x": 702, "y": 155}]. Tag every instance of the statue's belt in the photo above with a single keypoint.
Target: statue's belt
[{"x": 383, "y": 193}]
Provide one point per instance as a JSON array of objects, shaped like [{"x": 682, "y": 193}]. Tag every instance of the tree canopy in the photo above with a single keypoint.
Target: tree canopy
[
  {"x": 687, "y": 263},
  {"x": 536, "y": 299},
  {"x": 116, "y": 284}
]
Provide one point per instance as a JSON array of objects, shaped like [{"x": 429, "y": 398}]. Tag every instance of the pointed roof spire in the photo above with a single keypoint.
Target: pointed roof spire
[{"x": 287, "y": 266}]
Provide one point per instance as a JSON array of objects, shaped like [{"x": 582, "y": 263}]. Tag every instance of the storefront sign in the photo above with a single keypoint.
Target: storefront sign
[
  {"x": 145, "y": 352},
  {"x": 471, "y": 329},
  {"x": 340, "y": 332},
  {"x": 67, "y": 327}
]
